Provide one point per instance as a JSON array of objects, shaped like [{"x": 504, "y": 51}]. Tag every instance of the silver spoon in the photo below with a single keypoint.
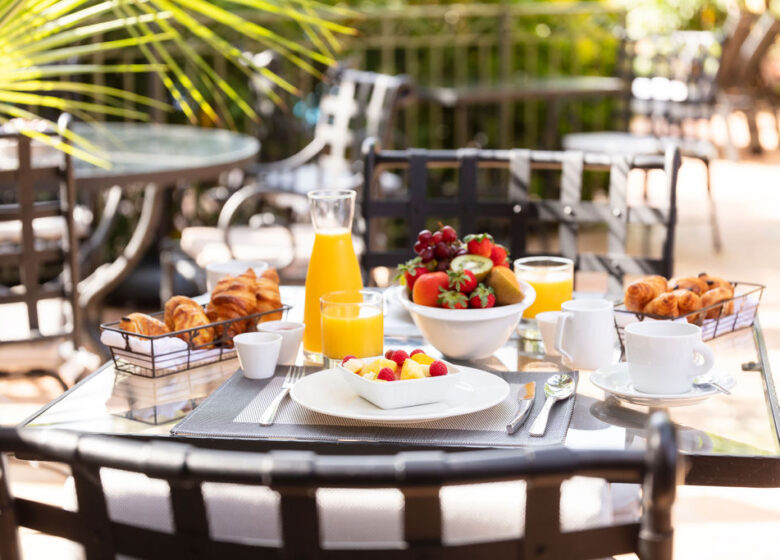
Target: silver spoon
[
  {"x": 557, "y": 388},
  {"x": 707, "y": 379}
]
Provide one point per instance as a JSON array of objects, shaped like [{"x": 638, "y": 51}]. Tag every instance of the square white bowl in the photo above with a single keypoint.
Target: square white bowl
[{"x": 402, "y": 393}]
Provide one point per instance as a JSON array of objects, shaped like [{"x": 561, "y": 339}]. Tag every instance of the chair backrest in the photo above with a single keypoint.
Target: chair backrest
[
  {"x": 359, "y": 105},
  {"x": 754, "y": 48},
  {"x": 296, "y": 476},
  {"x": 520, "y": 207},
  {"x": 40, "y": 192}
]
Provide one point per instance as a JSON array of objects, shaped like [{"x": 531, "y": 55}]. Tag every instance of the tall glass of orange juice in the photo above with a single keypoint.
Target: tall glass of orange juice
[
  {"x": 551, "y": 277},
  {"x": 352, "y": 324},
  {"x": 333, "y": 265}
]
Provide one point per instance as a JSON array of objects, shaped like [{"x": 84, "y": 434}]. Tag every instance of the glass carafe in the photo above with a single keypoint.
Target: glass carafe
[{"x": 333, "y": 265}]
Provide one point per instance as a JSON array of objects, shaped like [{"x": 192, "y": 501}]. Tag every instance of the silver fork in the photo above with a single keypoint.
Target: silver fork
[{"x": 294, "y": 375}]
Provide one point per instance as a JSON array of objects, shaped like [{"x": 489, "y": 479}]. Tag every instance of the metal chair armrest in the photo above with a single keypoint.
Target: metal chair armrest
[{"x": 308, "y": 153}]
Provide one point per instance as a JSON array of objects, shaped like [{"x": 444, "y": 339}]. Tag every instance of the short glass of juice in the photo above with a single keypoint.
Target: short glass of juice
[
  {"x": 352, "y": 324},
  {"x": 551, "y": 277}
]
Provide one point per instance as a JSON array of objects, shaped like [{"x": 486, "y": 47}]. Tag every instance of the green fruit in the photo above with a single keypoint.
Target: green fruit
[{"x": 477, "y": 264}]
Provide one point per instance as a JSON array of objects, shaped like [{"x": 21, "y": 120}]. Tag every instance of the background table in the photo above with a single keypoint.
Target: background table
[{"x": 729, "y": 440}]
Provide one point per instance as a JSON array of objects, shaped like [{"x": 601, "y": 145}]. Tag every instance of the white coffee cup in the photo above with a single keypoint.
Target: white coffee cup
[
  {"x": 292, "y": 334},
  {"x": 216, "y": 271},
  {"x": 546, "y": 321},
  {"x": 585, "y": 333},
  {"x": 258, "y": 353},
  {"x": 661, "y": 356}
]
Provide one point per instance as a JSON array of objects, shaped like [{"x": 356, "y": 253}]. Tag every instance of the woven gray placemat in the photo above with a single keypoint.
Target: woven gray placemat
[{"x": 234, "y": 409}]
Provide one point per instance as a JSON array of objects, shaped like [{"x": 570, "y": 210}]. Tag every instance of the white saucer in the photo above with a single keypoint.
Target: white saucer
[
  {"x": 614, "y": 379},
  {"x": 326, "y": 392}
]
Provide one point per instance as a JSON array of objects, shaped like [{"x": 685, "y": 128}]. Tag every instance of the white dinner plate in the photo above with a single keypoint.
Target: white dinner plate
[
  {"x": 615, "y": 380},
  {"x": 327, "y": 393}
]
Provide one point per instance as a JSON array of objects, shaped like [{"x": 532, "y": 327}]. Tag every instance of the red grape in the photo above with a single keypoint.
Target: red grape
[
  {"x": 443, "y": 264},
  {"x": 448, "y": 234},
  {"x": 436, "y": 237},
  {"x": 419, "y": 246},
  {"x": 427, "y": 254},
  {"x": 461, "y": 251},
  {"x": 424, "y": 236},
  {"x": 442, "y": 251}
]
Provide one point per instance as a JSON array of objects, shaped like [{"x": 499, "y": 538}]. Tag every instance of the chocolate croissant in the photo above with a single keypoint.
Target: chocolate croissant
[
  {"x": 641, "y": 292},
  {"x": 267, "y": 297},
  {"x": 715, "y": 282},
  {"x": 687, "y": 301},
  {"x": 234, "y": 297},
  {"x": 142, "y": 324},
  {"x": 717, "y": 295},
  {"x": 184, "y": 313},
  {"x": 692, "y": 283},
  {"x": 664, "y": 304}
]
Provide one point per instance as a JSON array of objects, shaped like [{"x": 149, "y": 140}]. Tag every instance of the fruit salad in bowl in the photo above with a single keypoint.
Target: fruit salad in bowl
[
  {"x": 398, "y": 379},
  {"x": 462, "y": 294}
]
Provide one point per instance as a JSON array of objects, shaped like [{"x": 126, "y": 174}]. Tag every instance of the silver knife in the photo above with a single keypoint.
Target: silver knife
[{"x": 525, "y": 396}]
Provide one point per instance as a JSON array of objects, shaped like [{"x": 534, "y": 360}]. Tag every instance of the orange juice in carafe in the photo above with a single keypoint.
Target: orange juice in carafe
[{"x": 333, "y": 265}]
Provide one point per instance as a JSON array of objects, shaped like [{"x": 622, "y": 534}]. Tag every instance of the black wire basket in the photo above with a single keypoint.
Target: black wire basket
[
  {"x": 169, "y": 353},
  {"x": 727, "y": 316}
]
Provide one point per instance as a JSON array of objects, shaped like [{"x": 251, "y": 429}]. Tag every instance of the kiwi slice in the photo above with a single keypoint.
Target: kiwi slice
[{"x": 477, "y": 264}]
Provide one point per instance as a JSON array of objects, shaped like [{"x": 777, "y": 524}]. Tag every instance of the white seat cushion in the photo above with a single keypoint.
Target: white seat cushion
[
  {"x": 355, "y": 517},
  {"x": 49, "y": 228}
]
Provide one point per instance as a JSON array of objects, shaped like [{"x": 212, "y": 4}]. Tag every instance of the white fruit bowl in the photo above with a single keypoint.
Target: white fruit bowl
[
  {"x": 401, "y": 393},
  {"x": 469, "y": 334}
]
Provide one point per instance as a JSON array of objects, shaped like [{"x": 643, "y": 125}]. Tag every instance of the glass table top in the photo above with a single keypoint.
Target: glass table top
[
  {"x": 738, "y": 425},
  {"x": 133, "y": 148}
]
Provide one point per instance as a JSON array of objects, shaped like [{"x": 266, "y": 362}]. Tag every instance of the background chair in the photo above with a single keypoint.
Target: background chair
[
  {"x": 302, "y": 483},
  {"x": 358, "y": 104},
  {"x": 517, "y": 203},
  {"x": 39, "y": 262},
  {"x": 675, "y": 82}
]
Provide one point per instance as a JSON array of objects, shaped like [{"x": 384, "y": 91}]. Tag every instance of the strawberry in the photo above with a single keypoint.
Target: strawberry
[
  {"x": 462, "y": 281},
  {"x": 482, "y": 297},
  {"x": 399, "y": 357},
  {"x": 479, "y": 244},
  {"x": 438, "y": 368},
  {"x": 498, "y": 255},
  {"x": 386, "y": 374},
  {"x": 411, "y": 271},
  {"x": 426, "y": 288},
  {"x": 452, "y": 299}
]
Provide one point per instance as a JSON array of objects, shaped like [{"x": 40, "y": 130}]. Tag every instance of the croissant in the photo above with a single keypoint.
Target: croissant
[
  {"x": 142, "y": 324},
  {"x": 271, "y": 274},
  {"x": 687, "y": 301},
  {"x": 184, "y": 313},
  {"x": 640, "y": 292},
  {"x": 665, "y": 304},
  {"x": 692, "y": 283},
  {"x": 717, "y": 295},
  {"x": 234, "y": 297},
  {"x": 267, "y": 297},
  {"x": 715, "y": 282}
]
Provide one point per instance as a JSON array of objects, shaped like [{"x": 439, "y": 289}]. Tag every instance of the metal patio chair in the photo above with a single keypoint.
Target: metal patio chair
[
  {"x": 518, "y": 208},
  {"x": 40, "y": 262},
  {"x": 297, "y": 478},
  {"x": 358, "y": 104}
]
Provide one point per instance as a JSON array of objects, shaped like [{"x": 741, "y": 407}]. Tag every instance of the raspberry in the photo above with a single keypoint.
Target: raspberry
[
  {"x": 389, "y": 354},
  {"x": 386, "y": 374},
  {"x": 438, "y": 368},
  {"x": 416, "y": 351},
  {"x": 399, "y": 357},
  {"x": 347, "y": 358}
]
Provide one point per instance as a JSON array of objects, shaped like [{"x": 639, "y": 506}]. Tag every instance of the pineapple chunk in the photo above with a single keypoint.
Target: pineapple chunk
[
  {"x": 370, "y": 375},
  {"x": 377, "y": 365},
  {"x": 412, "y": 370},
  {"x": 354, "y": 365},
  {"x": 423, "y": 359}
]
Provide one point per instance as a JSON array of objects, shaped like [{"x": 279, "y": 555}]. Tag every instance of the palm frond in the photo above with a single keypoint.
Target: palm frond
[{"x": 47, "y": 47}]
